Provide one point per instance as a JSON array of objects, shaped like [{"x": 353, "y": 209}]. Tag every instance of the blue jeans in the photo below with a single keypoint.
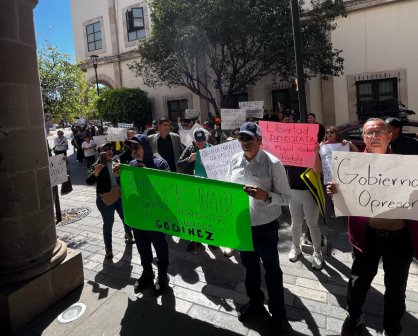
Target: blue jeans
[
  {"x": 144, "y": 239},
  {"x": 265, "y": 240},
  {"x": 395, "y": 248},
  {"x": 108, "y": 215}
]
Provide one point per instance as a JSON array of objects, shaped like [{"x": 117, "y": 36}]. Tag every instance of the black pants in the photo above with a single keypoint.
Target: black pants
[
  {"x": 144, "y": 239},
  {"x": 265, "y": 239},
  {"x": 395, "y": 248}
]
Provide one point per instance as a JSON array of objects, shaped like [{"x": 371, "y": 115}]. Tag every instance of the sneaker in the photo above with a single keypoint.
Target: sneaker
[
  {"x": 161, "y": 284},
  {"x": 317, "y": 260},
  {"x": 129, "y": 239},
  {"x": 146, "y": 280},
  {"x": 294, "y": 253},
  {"x": 191, "y": 246},
  {"x": 109, "y": 253},
  {"x": 352, "y": 327},
  {"x": 249, "y": 311}
]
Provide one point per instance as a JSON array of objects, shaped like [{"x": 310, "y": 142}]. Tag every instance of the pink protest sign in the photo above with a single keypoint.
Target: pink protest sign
[{"x": 293, "y": 144}]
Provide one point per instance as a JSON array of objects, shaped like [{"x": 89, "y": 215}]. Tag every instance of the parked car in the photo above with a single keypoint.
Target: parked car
[{"x": 353, "y": 131}]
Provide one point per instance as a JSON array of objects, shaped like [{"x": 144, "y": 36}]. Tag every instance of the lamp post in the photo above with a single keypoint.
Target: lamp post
[{"x": 95, "y": 60}]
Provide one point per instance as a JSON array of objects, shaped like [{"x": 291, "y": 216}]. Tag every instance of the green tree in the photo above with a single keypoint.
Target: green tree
[
  {"x": 65, "y": 91},
  {"x": 240, "y": 41},
  {"x": 124, "y": 105}
]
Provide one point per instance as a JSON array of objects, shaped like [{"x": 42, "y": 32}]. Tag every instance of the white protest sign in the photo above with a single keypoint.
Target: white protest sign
[
  {"x": 186, "y": 136},
  {"x": 116, "y": 134},
  {"x": 80, "y": 122},
  {"x": 326, "y": 158},
  {"x": 57, "y": 170},
  {"x": 232, "y": 118},
  {"x": 216, "y": 159},
  {"x": 191, "y": 114},
  {"x": 99, "y": 140},
  {"x": 254, "y": 108},
  {"x": 375, "y": 185},
  {"x": 124, "y": 125}
]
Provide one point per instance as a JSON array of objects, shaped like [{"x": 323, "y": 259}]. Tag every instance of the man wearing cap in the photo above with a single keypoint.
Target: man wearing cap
[
  {"x": 191, "y": 164},
  {"x": 167, "y": 144},
  {"x": 399, "y": 143},
  {"x": 218, "y": 134},
  {"x": 60, "y": 144},
  {"x": 265, "y": 181}
]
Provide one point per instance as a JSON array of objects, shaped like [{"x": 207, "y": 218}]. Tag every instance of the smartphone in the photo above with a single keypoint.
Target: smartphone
[{"x": 103, "y": 159}]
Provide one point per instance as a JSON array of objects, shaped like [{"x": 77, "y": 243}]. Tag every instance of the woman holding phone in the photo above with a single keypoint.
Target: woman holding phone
[{"x": 105, "y": 175}]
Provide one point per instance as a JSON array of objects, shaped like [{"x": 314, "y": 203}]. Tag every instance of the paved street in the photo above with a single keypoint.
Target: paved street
[{"x": 207, "y": 288}]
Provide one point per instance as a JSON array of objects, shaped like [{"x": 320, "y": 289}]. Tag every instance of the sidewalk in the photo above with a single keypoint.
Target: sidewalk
[{"x": 207, "y": 289}]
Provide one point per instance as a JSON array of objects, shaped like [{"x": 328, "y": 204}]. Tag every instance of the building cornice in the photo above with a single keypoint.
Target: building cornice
[
  {"x": 126, "y": 56},
  {"x": 356, "y": 5}
]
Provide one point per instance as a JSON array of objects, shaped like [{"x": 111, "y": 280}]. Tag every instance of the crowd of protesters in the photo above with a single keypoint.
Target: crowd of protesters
[{"x": 270, "y": 185}]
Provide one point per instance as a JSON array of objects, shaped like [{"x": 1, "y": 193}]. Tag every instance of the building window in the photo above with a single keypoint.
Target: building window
[
  {"x": 135, "y": 23},
  {"x": 94, "y": 36},
  {"x": 176, "y": 108},
  {"x": 379, "y": 95}
]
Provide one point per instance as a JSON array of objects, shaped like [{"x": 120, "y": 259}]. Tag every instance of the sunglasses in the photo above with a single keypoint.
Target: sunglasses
[{"x": 245, "y": 138}]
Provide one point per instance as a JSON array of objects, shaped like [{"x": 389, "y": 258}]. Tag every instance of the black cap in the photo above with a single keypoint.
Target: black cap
[
  {"x": 394, "y": 122},
  {"x": 251, "y": 129}
]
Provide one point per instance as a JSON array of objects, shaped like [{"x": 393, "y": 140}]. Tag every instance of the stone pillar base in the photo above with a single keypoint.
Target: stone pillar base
[{"x": 20, "y": 303}]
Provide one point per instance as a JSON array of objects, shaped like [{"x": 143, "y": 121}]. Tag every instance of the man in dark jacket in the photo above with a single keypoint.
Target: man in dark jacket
[
  {"x": 143, "y": 157},
  {"x": 399, "y": 143}
]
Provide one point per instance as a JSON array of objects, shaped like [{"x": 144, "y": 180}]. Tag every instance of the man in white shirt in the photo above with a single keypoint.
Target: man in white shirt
[
  {"x": 265, "y": 181},
  {"x": 60, "y": 144}
]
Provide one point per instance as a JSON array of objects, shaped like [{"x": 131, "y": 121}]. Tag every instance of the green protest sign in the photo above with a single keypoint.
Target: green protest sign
[{"x": 189, "y": 207}]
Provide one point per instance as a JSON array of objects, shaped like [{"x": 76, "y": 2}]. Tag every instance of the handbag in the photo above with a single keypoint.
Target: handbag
[
  {"x": 66, "y": 187},
  {"x": 111, "y": 196}
]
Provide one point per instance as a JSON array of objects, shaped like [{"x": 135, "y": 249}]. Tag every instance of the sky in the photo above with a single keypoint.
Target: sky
[{"x": 53, "y": 22}]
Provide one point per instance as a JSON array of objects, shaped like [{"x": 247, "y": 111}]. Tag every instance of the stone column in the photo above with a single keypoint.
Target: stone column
[{"x": 28, "y": 243}]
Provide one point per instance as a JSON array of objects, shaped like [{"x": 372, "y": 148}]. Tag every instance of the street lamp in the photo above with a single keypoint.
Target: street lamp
[{"x": 95, "y": 60}]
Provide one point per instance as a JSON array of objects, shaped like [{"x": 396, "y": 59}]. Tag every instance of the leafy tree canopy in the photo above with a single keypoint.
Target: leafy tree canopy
[
  {"x": 241, "y": 41},
  {"x": 65, "y": 91},
  {"x": 124, "y": 105}
]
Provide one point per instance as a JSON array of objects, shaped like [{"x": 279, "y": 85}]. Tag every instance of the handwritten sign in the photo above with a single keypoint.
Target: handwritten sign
[
  {"x": 124, "y": 125},
  {"x": 216, "y": 159},
  {"x": 326, "y": 158},
  {"x": 99, "y": 140},
  {"x": 375, "y": 185},
  {"x": 232, "y": 118},
  {"x": 293, "y": 144},
  {"x": 189, "y": 207},
  {"x": 57, "y": 170},
  {"x": 191, "y": 114},
  {"x": 254, "y": 108},
  {"x": 116, "y": 134}
]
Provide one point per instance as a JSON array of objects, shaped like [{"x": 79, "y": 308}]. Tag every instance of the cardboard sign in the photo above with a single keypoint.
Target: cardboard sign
[
  {"x": 293, "y": 144},
  {"x": 375, "y": 185},
  {"x": 326, "y": 158},
  {"x": 116, "y": 134},
  {"x": 80, "y": 122},
  {"x": 188, "y": 207},
  {"x": 191, "y": 114},
  {"x": 216, "y": 159},
  {"x": 99, "y": 140},
  {"x": 232, "y": 118},
  {"x": 57, "y": 170},
  {"x": 254, "y": 108}
]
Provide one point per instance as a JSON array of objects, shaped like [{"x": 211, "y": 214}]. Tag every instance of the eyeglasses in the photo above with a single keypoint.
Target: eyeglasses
[
  {"x": 330, "y": 132},
  {"x": 376, "y": 134},
  {"x": 245, "y": 138}
]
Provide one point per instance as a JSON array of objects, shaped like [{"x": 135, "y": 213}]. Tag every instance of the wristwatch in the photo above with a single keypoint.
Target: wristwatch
[{"x": 268, "y": 198}]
